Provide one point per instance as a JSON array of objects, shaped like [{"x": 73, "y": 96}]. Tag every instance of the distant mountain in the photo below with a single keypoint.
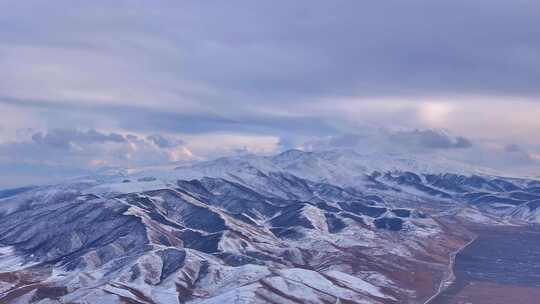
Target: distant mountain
[{"x": 298, "y": 227}]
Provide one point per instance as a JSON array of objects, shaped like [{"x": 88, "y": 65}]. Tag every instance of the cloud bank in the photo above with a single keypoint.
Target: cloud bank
[{"x": 263, "y": 76}]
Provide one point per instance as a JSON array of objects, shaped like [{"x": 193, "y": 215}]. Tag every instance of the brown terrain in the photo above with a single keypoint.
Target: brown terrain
[
  {"x": 499, "y": 267},
  {"x": 490, "y": 293}
]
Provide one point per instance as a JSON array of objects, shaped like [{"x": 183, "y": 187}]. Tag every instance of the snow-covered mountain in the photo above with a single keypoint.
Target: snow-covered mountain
[
  {"x": 298, "y": 227},
  {"x": 334, "y": 166}
]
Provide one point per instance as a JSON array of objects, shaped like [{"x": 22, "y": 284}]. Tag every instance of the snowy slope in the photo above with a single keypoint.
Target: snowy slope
[{"x": 206, "y": 241}]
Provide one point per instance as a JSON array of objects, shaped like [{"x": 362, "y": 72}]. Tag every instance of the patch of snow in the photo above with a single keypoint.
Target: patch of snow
[{"x": 357, "y": 284}]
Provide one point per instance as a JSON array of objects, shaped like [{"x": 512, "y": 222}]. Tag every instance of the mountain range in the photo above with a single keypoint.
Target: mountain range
[{"x": 331, "y": 226}]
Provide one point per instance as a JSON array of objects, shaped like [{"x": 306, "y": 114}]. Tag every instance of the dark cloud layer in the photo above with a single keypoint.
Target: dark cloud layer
[
  {"x": 164, "y": 142},
  {"x": 62, "y": 138},
  {"x": 163, "y": 120},
  {"x": 413, "y": 141},
  {"x": 430, "y": 139},
  {"x": 281, "y": 50}
]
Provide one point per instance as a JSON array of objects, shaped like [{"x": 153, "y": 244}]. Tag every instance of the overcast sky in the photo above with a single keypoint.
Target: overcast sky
[{"x": 91, "y": 84}]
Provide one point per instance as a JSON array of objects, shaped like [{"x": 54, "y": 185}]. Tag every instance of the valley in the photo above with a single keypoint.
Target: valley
[{"x": 500, "y": 266}]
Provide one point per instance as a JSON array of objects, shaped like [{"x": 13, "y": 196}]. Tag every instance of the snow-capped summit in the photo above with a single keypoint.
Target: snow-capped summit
[{"x": 338, "y": 166}]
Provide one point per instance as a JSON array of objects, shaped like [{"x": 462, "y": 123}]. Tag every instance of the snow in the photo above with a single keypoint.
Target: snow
[
  {"x": 313, "y": 280},
  {"x": 241, "y": 295},
  {"x": 293, "y": 289},
  {"x": 357, "y": 284},
  {"x": 9, "y": 260},
  {"x": 120, "y": 291},
  {"x": 316, "y": 217},
  {"x": 340, "y": 167},
  {"x": 25, "y": 298},
  {"x": 226, "y": 277},
  {"x": 128, "y": 187}
]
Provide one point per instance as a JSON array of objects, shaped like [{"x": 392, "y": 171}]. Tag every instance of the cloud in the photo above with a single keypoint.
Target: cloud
[
  {"x": 373, "y": 140},
  {"x": 136, "y": 119},
  {"x": 430, "y": 139},
  {"x": 167, "y": 57},
  {"x": 69, "y": 152},
  {"x": 164, "y": 142},
  {"x": 82, "y": 150},
  {"x": 213, "y": 145},
  {"x": 63, "y": 138},
  {"x": 516, "y": 155},
  {"x": 509, "y": 159}
]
